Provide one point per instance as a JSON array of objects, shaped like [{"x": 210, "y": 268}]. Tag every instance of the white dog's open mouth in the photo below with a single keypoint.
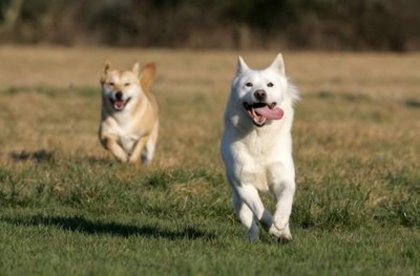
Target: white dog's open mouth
[
  {"x": 261, "y": 112},
  {"x": 119, "y": 104}
]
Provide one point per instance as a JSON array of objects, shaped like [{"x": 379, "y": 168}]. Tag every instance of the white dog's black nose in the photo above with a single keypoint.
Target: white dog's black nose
[
  {"x": 260, "y": 95},
  {"x": 118, "y": 95}
]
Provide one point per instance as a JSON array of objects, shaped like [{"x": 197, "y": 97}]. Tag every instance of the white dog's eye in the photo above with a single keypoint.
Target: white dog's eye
[
  {"x": 270, "y": 84},
  {"x": 111, "y": 83},
  {"x": 249, "y": 84},
  {"x": 127, "y": 84}
]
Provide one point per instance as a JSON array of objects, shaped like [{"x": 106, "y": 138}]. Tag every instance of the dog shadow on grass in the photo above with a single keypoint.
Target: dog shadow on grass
[
  {"x": 39, "y": 156},
  {"x": 82, "y": 225},
  {"x": 48, "y": 156}
]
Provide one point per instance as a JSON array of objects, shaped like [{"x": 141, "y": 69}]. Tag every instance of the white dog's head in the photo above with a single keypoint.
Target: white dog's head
[
  {"x": 261, "y": 92},
  {"x": 122, "y": 88}
]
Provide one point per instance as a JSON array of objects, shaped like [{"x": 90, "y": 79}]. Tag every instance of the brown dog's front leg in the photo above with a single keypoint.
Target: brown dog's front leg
[
  {"x": 112, "y": 145},
  {"x": 135, "y": 156}
]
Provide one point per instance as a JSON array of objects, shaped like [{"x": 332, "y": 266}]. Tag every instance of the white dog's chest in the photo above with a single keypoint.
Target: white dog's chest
[
  {"x": 256, "y": 175},
  {"x": 258, "y": 147},
  {"x": 255, "y": 170},
  {"x": 257, "y": 159}
]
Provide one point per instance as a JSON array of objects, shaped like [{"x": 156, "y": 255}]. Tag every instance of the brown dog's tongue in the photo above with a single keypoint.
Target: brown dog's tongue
[
  {"x": 275, "y": 113},
  {"x": 119, "y": 103}
]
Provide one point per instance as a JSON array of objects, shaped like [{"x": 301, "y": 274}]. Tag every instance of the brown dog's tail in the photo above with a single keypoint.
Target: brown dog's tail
[{"x": 147, "y": 76}]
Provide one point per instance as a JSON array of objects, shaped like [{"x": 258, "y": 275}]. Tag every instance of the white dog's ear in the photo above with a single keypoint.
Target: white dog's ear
[
  {"x": 241, "y": 66},
  {"x": 136, "y": 68},
  {"x": 278, "y": 64}
]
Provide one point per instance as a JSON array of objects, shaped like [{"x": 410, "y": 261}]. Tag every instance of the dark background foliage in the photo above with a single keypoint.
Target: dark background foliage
[{"x": 386, "y": 25}]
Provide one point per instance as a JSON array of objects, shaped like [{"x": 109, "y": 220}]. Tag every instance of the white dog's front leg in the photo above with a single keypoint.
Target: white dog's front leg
[{"x": 249, "y": 194}]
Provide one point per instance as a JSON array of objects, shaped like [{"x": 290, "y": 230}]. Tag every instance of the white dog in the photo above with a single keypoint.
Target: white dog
[{"x": 257, "y": 146}]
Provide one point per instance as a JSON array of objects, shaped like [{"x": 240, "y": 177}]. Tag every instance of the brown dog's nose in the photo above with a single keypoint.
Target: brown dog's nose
[
  {"x": 260, "y": 95},
  {"x": 118, "y": 95}
]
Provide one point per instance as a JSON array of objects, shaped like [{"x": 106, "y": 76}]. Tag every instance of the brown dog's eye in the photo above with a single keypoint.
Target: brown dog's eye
[
  {"x": 127, "y": 84},
  {"x": 249, "y": 84},
  {"x": 270, "y": 84},
  {"x": 111, "y": 84}
]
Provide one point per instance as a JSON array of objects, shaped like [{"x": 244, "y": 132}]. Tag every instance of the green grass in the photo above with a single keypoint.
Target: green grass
[
  {"x": 67, "y": 208},
  {"x": 98, "y": 217}
]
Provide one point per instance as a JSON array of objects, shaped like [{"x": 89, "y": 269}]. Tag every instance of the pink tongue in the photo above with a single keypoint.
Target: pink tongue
[
  {"x": 271, "y": 114},
  {"x": 119, "y": 103}
]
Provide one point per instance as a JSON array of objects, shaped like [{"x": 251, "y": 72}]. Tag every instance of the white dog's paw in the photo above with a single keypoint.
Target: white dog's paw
[
  {"x": 282, "y": 234},
  {"x": 285, "y": 237}
]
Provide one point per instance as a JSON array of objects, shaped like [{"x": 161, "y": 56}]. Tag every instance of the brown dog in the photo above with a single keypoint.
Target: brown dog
[{"x": 129, "y": 117}]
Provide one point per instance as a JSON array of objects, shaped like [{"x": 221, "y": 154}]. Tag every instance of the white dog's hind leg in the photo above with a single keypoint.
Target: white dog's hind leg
[
  {"x": 284, "y": 194},
  {"x": 245, "y": 216},
  {"x": 283, "y": 186},
  {"x": 284, "y": 197}
]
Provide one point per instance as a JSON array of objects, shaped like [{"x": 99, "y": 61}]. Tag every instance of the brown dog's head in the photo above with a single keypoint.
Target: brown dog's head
[{"x": 122, "y": 88}]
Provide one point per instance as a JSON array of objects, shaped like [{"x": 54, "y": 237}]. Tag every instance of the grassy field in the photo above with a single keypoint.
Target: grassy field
[{"x": 67, "y": 208}]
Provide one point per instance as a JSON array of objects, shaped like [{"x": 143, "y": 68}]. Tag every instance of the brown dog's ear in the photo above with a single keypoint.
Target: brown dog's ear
[
  {"x": 147, "y": 75},
  {"x": 107, "y": 67},
  {"x": 136, "y": 68}
]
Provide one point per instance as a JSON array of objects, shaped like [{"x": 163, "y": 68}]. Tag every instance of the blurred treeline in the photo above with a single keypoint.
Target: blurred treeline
[{"x": 293, "y": 24}]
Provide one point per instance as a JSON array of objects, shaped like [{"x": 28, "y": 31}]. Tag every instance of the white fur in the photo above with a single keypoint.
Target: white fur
[{"x": 260, "y": 158}]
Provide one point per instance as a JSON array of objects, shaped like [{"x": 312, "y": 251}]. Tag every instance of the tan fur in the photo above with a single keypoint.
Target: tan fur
[{"x": 131, "y": 132}]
